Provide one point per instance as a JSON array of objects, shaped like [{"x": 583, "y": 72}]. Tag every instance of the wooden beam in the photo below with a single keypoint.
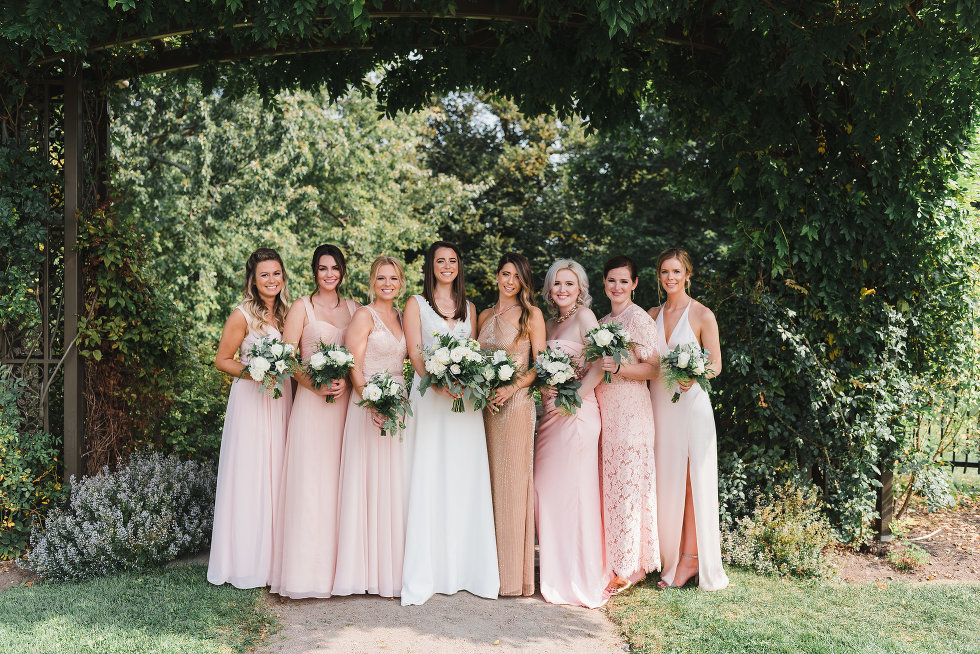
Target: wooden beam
[
  {"x": 885, "y": 502},
  {"x": 74, "y": 438}
]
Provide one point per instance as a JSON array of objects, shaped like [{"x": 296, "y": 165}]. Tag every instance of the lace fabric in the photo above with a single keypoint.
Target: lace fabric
[{"x": 627, "y": 458}]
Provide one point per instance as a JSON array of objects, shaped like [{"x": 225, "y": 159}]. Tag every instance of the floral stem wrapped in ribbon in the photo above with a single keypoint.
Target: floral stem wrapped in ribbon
[
  {"x": 271, "y": 362},
  {"x": 556, "y": 369},
  {"x": 386, "y": 396},
  {"x": 609, "y": 340},
  {"x": 328, "y": 363},
  {"x": 498, "y": 370},
  {"x": 686, "y": 362},
  {"x": 456, "y": 364}
]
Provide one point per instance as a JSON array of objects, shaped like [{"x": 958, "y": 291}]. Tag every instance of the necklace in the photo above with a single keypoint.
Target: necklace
[
  {"x": 565, "y": 316},
  {"x": 498, "y": 311}
]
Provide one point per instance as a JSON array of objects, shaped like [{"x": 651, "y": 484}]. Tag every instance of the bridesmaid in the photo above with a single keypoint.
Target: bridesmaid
[
  {"x": 628, "y": 472},
  {"x": 513, "y": 324},
  {"x": 306, "y": 526},
  {"x": 254, "y": 434},
  {"x": 687, "y": 460},
  {"x": 567, "y": 501},
  {"x": 372, "y": 508}
]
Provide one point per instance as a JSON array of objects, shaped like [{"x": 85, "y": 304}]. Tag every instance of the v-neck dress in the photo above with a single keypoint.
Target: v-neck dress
[
  {"x": 371, "y": 530},
  {"x": 686, "y": 437}
]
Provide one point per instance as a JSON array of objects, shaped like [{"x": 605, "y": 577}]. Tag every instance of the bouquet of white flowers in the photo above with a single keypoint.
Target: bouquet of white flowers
[
  {"x": 386, "y": 396},
  {"x": 687, "y": 361},
  {"x": 555, "y": 369},
  {"x": 609, "y": 340},
  {"x": 455, "y": 364},
  {"x": 498, "y": 370},
  {"x": 328, "y": 363},
  {"x": 272, "y": 361}
]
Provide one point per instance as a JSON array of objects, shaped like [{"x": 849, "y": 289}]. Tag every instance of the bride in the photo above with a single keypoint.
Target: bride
[{"x": 449, "y": 541}]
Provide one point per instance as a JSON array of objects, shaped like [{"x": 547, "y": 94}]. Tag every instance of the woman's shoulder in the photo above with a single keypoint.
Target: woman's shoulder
[
  {"x": 654, "y": 312},
  {"x": 700, "y": 314},
  {"x": 353, "y": 305}
]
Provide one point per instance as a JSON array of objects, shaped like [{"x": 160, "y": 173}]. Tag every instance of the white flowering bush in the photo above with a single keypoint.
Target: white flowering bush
[{"x": 151, "y": 511}]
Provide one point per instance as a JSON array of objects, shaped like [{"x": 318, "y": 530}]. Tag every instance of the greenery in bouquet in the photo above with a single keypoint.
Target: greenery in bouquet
[
  {"x": 455, "y": 364},
  {"x": 609, "y": 340},
  {"x": 556, "y": 370},
  {"x": 686, "y": 362},
  {"x": 389, "y": 398},
  {"x": 328, "y": 363},
  {"x": 499, "y": 369},
  {"x": 272, "y": 361}
]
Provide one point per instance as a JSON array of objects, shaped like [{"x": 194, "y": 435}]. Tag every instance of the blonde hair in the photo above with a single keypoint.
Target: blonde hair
[
  {"x": 583, "y": 283},
  {"x": 251, "y": 300},
  {"x": 682, "y": 256},
  {"x": 385, "y": 260}
]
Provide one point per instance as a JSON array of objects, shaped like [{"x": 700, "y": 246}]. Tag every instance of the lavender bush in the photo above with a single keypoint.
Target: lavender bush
[{"x": 153, "y": 510}]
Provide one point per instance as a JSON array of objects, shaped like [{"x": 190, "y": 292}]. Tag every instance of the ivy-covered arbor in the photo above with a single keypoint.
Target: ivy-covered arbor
[{"x": 831, "y": 131}]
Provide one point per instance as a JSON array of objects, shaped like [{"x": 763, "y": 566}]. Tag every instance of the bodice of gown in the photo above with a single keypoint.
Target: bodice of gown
[
  {"x": 384, "y": 351},
  {"x": 316, "y": 331},
  {"x": 683, "y": 334},
  {"x": 500, "y": 334},
  {"x": 432, "y": 323},
  {"x": 643, "y": 332},
  {"x": 255, "y": 334}
]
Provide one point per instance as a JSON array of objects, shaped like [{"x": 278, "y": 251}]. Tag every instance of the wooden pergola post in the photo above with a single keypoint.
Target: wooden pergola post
[{"x": 74, "y": 436}]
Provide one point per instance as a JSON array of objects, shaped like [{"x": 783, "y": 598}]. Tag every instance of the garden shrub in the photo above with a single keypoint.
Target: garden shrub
[
  {"x": 148, "y": 512},
  {"x": 786, "y": 534},
  {"x": 29, "y": 476}
]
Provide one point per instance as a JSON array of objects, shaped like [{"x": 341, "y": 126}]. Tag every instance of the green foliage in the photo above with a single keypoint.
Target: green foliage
[
  {"x": 904, "y": 554},
  {"x": 25, "y": 214},
  {"x": 30, "y": 481},
  {"x": 786, "y": 534}
]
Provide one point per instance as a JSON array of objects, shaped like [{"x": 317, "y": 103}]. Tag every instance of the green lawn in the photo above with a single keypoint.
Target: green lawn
[
  {"x": 169, "y": 610},
  {"x": 762, "y": 614}
]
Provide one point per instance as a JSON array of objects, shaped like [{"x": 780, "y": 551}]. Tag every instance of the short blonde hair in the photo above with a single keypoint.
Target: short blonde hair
[
  {"x": 385, "y": 260},
  {"x": 583, "y": 283}
]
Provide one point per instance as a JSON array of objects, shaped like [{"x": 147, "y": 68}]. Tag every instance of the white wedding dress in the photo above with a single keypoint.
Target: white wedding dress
[{"x": 449, "y": 540}]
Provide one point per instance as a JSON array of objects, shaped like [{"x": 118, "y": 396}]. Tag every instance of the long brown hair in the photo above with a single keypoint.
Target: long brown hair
[
  {"x": 252, "y": 301},
  {"x": 429, "y": 280},
  {"x": 526, "y": 294}
]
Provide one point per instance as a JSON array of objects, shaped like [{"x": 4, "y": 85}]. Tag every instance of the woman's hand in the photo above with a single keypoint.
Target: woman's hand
[
  {"x": 337, "y": 387},
  {"x": 445, "y": 391},
  {"x": 609, "y": 365},
  {"x": 377, "y": 419},
  {"x": 685, "y": 385},
  {"x": 500, "y": 396}
]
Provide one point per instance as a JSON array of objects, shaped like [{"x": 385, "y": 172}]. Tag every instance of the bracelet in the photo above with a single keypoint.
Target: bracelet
[{"x": 618, "y": 366}]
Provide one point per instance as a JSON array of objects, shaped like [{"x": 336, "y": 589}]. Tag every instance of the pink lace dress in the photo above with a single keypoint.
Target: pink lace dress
[
  {"x": 249, "y": 471},
  {"x": 306, "y": 527},
  {"x": 629, "y": 498},
  {"x": 372, "y": 505}
]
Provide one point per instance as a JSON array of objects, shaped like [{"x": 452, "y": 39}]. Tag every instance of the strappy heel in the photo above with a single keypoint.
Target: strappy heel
[{"x": 696, "y": 577}]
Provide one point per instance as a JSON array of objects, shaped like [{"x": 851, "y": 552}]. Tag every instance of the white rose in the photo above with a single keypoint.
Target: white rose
[
  {"x": 683, "y": 359},
  {"x": 371, "y": 393},
  {"x": 499, "y": 356},
  {"x": 698, "y": 367},
  {"x": 280, "y": 366},
  {"x": 489, "y": 373},
  {"x": 553, "y": 381},
  {"x": 455, "y": 369},
  {"x": 434, "y": 367},
  {"x": 505, "y": 372},
  {"x": 603, "y": 337},
  {"x": 261, "y": 364},
  {"x": 318, "y": 360},
  {"x": 256, "y": 373},
  {"x": 554, "y": 367},
  {"x": 473, "y": 344},
  {"x": 442, "y": 356},
  {"x": 289, "y": 348},
  {"x": 457, "y": 354},
  {"x": 276, "y": 349},
  {"x": 394, "y": 388},
  {"x": 560, "y": 378},
  {"x": 339, "y": 356},
  {"x": 473, "y": 356}
]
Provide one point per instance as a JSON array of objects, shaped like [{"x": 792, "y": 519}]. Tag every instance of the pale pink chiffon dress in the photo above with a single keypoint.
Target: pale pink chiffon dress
[
  {"x": 568, "y": 504},
  {"x": 372, "y": 504},
  {"x": 306, "y": 532},
  {"x": 249, "y": 468},
  {"x": 629, "y": 478}
]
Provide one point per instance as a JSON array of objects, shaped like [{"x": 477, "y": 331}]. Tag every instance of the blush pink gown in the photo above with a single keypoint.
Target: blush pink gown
[
  {"x": 372, "y": 504},
  {"x": 568, "y": 504},
  {"x": 688, "y": 439},
  {"x": 249, "y": 468},
  {"x": 306, "y": 531},
  {"x": 629, "y": 479}
]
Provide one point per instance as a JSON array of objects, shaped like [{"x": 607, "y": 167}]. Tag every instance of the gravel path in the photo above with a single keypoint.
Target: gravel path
[{"x": 457, "y": 624}]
